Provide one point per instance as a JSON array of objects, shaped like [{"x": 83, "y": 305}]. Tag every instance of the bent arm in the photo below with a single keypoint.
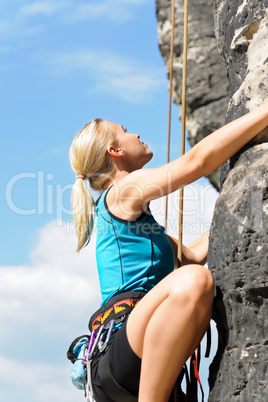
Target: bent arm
[
  {"x": 143, "y": 185},
  {"x": 195, "y": 253}
]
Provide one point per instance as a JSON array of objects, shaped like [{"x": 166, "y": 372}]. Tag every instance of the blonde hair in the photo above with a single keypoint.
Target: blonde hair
[{"x": 90, "y": 160}]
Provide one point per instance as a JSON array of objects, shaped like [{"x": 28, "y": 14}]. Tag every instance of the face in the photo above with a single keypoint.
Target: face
[{"x": 134, "y": 152}]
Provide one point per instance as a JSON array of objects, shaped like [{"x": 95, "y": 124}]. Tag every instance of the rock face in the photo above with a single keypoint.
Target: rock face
[
  {"x": 238, "y": 253},
  {"x": 207, "y": 84},
  {"x": 238, "y": 257},
  {"x": 241, "y": 31}
]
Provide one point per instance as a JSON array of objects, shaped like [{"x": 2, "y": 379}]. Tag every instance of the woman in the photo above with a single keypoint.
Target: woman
[{"x": 148, "y": 352}]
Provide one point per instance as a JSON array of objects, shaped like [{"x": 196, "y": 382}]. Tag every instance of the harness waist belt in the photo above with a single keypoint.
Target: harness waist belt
[{"x": 118, "y": 306}]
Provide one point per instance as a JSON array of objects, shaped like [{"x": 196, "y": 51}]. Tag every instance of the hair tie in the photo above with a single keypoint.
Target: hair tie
[{"x": 80, "y": 176}]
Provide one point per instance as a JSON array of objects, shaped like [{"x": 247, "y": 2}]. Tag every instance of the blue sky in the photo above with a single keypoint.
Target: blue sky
[{"x": 62, "y": 64}]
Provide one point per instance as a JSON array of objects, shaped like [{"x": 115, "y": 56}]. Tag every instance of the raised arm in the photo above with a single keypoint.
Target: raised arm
[{"x": 143, "y": 185}]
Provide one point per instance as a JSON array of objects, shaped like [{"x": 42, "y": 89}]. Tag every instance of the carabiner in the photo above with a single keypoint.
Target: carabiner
[
  {"x": 102, "y": 346},
  {"x": 90, "y": 344},
  {"x": 95, "y": 343}
]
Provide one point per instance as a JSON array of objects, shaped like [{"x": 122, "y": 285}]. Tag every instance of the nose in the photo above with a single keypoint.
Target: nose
[{"x": 138, "y": 136}]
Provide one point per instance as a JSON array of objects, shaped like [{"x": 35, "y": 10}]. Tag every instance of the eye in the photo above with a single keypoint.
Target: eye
[{"x": 124, "y": 129}]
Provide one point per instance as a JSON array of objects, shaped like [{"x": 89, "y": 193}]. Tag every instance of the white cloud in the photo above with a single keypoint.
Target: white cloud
[
  {"x": 105, "y": 72},
  {"x": 58, "y": 287},
  {"x": 24, "y": 21},
  {"x": 130, "y": 80},
  {"x": 136, "y": 87},
  {"x": 118, "y": 11},
  {"x": 85, "y": 12},
  {"x": 77, "y": 11},
  {"x": 44, "y": 305},
  {"x": 84, "y": 59},
  {"x": 46, "y": 8},
  {"x": 36, "y": 382},
  {"x": 70, "y": 11}
]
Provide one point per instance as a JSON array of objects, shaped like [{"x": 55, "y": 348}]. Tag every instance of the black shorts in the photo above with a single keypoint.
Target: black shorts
[{"x": 123, "y": 362}]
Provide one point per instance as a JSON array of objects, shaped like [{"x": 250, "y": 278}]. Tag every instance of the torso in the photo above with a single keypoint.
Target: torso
[{"x": 132, "y": 254}]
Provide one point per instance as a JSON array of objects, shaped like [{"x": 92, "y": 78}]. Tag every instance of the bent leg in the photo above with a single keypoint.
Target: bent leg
[{"x": 167, "y": 325}]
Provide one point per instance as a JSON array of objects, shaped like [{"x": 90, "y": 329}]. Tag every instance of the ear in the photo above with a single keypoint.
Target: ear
[{"x": 114, "y": 151}]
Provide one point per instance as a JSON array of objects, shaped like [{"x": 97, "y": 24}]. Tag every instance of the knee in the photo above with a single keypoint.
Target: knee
[
  {"x": 195, "y": 285},
  {"x": 202, "y": 282}
]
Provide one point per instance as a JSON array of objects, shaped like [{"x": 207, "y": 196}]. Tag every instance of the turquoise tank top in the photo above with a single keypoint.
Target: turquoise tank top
[{"x": 131, "y": 254}]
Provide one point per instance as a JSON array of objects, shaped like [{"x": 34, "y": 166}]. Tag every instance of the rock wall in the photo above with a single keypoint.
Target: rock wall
[
  {"x": 238, "y": 253},
  {"x": 207, "y": 84}
]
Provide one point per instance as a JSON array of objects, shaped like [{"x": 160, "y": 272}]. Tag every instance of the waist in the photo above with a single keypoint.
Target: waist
[{"x": 116, "y": 308}]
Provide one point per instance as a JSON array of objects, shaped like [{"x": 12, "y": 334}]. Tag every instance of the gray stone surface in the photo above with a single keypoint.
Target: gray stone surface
[
  {"x": 207, "y": 84},
  {"x": 238, "y": 254},
  {"x": 241, "y": 29},
  {"x": 238, "y": 258}
]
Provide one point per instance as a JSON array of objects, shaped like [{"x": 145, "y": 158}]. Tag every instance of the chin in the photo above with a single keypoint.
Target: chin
[
  {"x": 150, "y": 156},
  {"x": 147, "y": 160}
]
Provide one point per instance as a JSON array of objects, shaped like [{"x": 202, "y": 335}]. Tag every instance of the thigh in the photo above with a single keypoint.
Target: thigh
[{"x": 177, "y": 281}]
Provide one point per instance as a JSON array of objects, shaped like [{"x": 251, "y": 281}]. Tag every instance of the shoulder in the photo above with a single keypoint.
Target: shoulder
[{"x": 125, "y": 198}]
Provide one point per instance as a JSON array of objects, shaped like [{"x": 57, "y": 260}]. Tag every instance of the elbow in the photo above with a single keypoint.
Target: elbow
[
  {"x": 199, "y": 161},
  {"x": 203, "y": 159}
]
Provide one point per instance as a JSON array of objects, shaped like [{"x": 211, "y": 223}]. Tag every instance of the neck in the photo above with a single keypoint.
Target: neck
[{"x": 119, "y": 175}]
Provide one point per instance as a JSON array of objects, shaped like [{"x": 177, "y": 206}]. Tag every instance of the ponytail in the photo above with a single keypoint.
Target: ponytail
[
  {"x": 90, "y": 161},
  {"x": 82, "y": 205}
]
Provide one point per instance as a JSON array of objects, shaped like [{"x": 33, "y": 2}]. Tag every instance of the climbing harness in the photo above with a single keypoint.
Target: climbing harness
[
  {"x": 82, "y": 351},
  {"x": 183, "y": 111},
  {"x": 116, "y": 308},
  {"x": 103, "y": 323}
]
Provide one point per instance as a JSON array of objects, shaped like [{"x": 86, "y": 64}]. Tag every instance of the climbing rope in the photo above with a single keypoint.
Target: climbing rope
[
  {"x": 170, "y": 95},
  {"x": 183, "y": 111},
  {"x": 183, "y": 121}
]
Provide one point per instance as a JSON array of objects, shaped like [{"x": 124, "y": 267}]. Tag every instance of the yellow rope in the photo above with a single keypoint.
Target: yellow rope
[
  {"x": 183, "y": 111},
  {"x": 183, "y": 120},
  {"x": 170, "y": 95}
]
